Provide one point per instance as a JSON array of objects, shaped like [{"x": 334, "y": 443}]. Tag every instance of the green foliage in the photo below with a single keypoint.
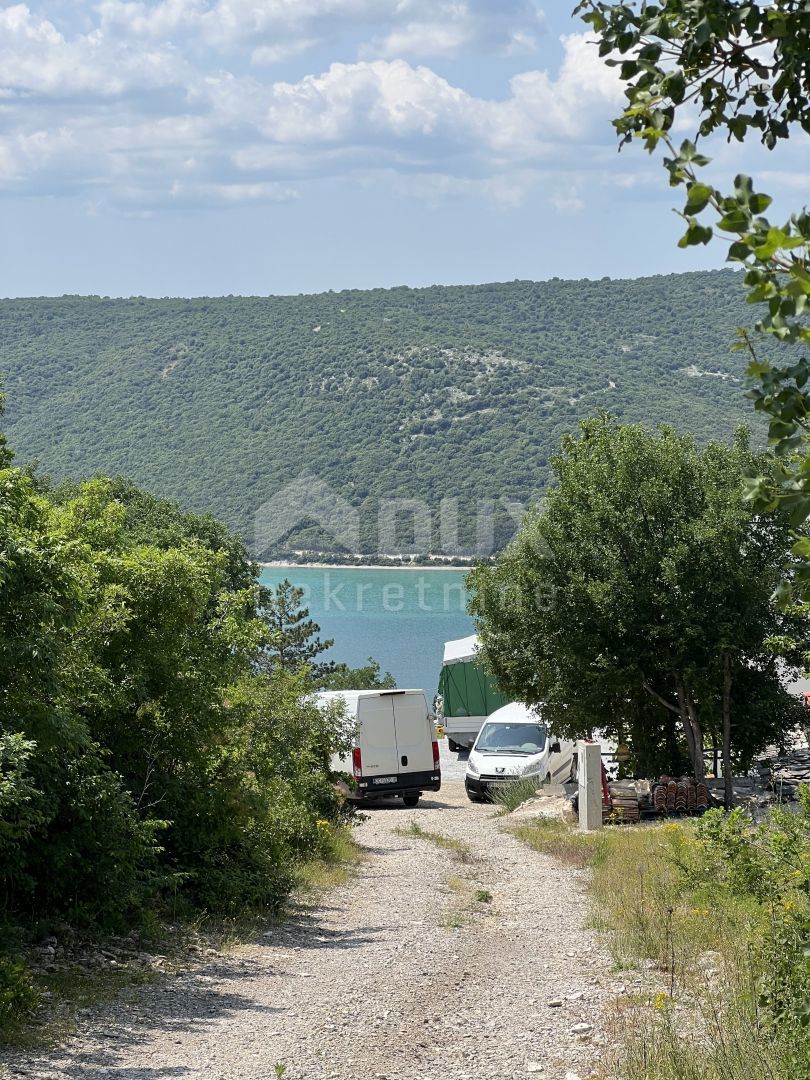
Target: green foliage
[
  {"x": 18, "y": 998},
  {"x": 146, "y": 764},
  {"x": 641, "y": 581},
  {"x": 342, "y": 677},
  {"x": 94, "y": 860},
  {"x": 19, "y": 810},
  {"x": 770, "y": 863},
  {"x": 717, "y": 905},
  {"x": 441, "y": 392},
  {"x": 291, "y": 634},
  {"x": 745, "y": 65}
]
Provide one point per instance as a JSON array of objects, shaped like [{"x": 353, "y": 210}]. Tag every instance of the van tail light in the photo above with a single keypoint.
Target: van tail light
[
  {"x": 357, "y": 763},
  {"x": 435, "y": 755}
]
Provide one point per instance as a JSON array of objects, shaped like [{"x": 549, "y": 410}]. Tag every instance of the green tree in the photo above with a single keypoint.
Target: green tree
[
  {"x": 640, "y": 593},
  {"x": 142, "y": 756},
  {"x": 70, "y": 835},
  {"x": 291, "y": 635},
  {"x": 366, "y": 677},
  {"x": 741, "y": 68}
]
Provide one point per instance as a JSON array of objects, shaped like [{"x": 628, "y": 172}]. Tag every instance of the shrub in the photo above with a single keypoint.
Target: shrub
[
  {"x": 18, "y": 998},
  {"x": 95, "y": 862}
]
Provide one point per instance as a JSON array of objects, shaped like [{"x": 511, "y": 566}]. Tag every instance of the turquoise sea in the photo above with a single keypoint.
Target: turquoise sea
[{"x": 400, "y": 617}]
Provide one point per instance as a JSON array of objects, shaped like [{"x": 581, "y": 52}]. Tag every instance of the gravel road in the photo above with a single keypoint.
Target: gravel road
[{"x": 427, "y": 965}]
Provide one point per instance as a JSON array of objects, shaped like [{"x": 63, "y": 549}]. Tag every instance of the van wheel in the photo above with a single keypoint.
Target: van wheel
[
  {"x": 410, "y": 800},
  {"x": 452, "y": 745}
]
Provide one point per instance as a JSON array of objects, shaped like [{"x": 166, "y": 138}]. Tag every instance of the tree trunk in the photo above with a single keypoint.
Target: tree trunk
[
  {"x": 686, "y": 723},
  {"x": 688, "y": 714},
  {"x": 727, "y": 772},
  {"x": 699, "y": 761}
]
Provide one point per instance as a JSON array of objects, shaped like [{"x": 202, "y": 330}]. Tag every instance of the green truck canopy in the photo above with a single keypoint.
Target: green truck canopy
[{"x": 466, "y": 689}]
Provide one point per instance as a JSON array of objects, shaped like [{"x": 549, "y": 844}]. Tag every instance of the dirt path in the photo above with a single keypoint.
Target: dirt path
[{"x": 407, "y": 972}]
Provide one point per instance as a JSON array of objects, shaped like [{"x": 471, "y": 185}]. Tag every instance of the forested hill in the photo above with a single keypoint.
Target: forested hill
[{"x": 446, "y": 391}]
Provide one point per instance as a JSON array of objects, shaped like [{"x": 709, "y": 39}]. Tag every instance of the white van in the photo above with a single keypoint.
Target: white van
[
  {"x": 395, "y": 751},
  {"x": 515, "y": 744}
]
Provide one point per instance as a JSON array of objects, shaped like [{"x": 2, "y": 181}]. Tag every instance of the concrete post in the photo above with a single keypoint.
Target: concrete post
[{"x": 590, "y": 786}]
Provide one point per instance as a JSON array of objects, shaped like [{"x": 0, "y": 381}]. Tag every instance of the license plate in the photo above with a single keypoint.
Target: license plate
[{"x": 383, "y": 779}]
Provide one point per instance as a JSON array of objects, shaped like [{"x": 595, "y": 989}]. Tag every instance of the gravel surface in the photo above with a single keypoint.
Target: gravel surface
[{"x": 429, "y": 964}]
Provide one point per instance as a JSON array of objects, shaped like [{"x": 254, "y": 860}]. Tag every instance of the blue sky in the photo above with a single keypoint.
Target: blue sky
[{"x": 190, "y": 147}]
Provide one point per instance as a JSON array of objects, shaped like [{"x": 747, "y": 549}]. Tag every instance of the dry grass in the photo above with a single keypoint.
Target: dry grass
[
  {"x": 704, "y": 1020},
  {"x": 708, "y": 1037}
]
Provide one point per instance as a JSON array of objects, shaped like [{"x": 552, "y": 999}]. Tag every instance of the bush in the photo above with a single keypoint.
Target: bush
[
  {"x": 147, "y": 765},
  {"x": 18, "y": 998},
  {"x": 770, "y": 863},
  {"x": 96, "y": 863}
]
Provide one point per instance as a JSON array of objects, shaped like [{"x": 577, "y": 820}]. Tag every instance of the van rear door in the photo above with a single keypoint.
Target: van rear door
[
  {"x": 413, "y": 733},
  {"x": 378, "y": 745}
]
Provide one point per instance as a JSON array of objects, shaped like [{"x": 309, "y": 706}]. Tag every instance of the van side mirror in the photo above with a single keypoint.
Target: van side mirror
[{"x": 554, "y": 748}]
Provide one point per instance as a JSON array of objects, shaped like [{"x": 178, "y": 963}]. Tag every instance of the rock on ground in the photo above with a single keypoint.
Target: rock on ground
[{"x": 424, "y": 966}]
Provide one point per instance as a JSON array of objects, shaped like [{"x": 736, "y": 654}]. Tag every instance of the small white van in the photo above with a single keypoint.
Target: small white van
[
  {"x": 395, "y": 751},
  {"x": 515, "y": 744}
]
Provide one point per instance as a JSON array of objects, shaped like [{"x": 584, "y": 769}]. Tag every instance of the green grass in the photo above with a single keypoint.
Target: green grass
[
  {"x": 457, "y": 848},
  {"x": 552, "y": 836},
  {"x": 511, "y": 795},
  {"x": 452, "y": 920},
  {"x": 651, "y": 896},
  {"x": 337, "y": 862}
]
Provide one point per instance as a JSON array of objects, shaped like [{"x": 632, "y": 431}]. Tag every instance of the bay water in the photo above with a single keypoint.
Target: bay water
[{"x": 400, "y": 617}]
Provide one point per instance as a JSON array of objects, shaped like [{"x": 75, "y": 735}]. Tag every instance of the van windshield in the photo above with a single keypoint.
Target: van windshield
[{"x": 511, "y": 739}]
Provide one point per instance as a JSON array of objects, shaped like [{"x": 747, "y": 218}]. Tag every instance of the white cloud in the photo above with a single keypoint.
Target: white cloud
[
  {"x": 134, "y": 110},
  {"x": 366, "y": 100},
  {"x": 277, "y": 29},
  {"x": 446, "y": 27},
  {"x": 233, "y": 193},
  {"x": 507, "y": 190},
  {"x": 567, "y": 202},
  {"x": 268, "y": 55},
  {"x": 385, "y": 100},
  {"x": 35, "y": 58},
  {"x": 421, "y": 39}
]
